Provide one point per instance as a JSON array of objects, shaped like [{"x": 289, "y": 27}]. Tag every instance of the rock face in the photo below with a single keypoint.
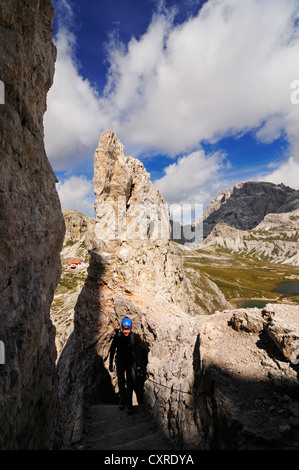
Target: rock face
[
  {"x": 77, "y": 243},
  {"x": 127, "y": 206},
  {"x": 132, "y": 229},
  {"x": 32, "y": 228},
  {"x": 79, "y": 237},
  {"x": 247, "y": 395},
  {"x": 131, "y": 272},
  {"x": 221, "y": 381},
  {"x": 274, "y": 239},
  {"x": 79, "y": 228},
  {"x": 246, "y": 205}
]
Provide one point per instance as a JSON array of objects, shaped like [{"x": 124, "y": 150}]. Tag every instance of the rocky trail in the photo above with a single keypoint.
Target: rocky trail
[{"x": 107, "y": 428}]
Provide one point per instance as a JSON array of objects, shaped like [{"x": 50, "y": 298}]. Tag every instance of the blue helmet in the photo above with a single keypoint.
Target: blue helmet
[{"x": 126, "y": 323}]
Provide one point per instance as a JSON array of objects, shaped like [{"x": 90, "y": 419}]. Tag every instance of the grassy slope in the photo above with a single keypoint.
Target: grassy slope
[{"x": 242, "y": 277}]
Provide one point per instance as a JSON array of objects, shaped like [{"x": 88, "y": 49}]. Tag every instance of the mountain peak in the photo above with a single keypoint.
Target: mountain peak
[{"x": 246, "y": 204}]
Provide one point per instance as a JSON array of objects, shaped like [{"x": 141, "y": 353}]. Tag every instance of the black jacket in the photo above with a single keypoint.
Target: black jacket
[{"x": 127, "y": 349}]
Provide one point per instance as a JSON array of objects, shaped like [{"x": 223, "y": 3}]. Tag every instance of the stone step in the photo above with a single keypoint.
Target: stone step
[{"x": 108, "y": 428}]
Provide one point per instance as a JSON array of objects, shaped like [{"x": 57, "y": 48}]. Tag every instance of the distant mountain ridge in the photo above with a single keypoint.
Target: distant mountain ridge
[
  {"x": 246, "y": 204},
  {"x": 275, "y": 239},
  {"x": 256, "y": 218}
]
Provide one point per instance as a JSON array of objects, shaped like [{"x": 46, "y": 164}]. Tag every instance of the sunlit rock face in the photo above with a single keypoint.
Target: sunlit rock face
[
  {"x": 275, "y": 239},
  {"x": 31, "y": 229},
  {"x": 246, "y": 204},
  {"x": 132, "y": 230}
]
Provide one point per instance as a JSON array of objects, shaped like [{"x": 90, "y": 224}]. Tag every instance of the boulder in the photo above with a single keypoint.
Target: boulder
[{"x": 247, "y": 390}]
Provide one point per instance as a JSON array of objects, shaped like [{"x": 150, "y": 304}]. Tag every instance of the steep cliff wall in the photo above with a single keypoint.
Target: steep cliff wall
[
  {"x": 77, "y": 242},
  {"x": 246, "y": 204},
  {"x": 31, "y": 230}
]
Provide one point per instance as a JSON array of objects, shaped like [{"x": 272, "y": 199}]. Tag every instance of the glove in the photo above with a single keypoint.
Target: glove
[{"x": 111, "y": 367}]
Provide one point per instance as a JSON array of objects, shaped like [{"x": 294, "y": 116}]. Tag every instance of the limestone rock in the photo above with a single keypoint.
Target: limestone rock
[
  {"x": 246, "y": 204},
  {"x": 132, "y": 229},
  {"x": 275, "y": 238},
  {"x": 213, "y": 381},
  {"x": 127, "y": 205},
  {"x": 283, "y": 328},
  {"x": 245, "y": 385},
  {"x": 78, "y": 241},
  {"x": 78, "y": 227},
  {"x": 32, "y": 228},
  {"x": 142, "y": 277},
  {"x": 207, "y": 294}
]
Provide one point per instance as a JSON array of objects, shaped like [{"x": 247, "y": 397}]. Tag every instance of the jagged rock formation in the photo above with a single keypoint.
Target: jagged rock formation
[
  {"x": 132, "y": 229},
  {"x": 225, "y": 381},
  {"x": 207, "y": 293},
  {"x": 246, "y": 204},
  {"x": 32, "y": 228},
  {"x": 79, "y": 228},
  {"x": 142, "y": 277},
  {"x": 78, "y": 241},
  {"x": 212, "y": 380},
  {"x": 274, "y": 239},
  {"x": 168, "y": 336}
]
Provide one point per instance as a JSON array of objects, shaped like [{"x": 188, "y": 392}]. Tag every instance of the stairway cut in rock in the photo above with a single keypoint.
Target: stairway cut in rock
[{"x": 108, "y": 428}]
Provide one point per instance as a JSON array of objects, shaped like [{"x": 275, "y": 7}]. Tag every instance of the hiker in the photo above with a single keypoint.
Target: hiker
[{"x": 126, "y": 344}]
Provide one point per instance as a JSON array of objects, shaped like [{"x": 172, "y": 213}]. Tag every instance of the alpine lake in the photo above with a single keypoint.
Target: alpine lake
[{"x": 246, "y": 282}]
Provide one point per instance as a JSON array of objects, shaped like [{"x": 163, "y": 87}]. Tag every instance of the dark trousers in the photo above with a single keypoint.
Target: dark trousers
[{"x": 126, "y": 377}]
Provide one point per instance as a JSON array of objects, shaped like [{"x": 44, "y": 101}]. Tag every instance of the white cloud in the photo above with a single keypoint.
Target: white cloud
[
  {"x": 194, "y": 178},
  {"x": 73, "y": 112},
  {"x": 286, "y": 173},
  {"x": 225, "y": 71},
  {"x": 76, "y": 193}
]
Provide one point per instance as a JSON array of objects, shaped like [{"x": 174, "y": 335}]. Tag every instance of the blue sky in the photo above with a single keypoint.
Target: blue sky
[{"x": 199, "y": 91}]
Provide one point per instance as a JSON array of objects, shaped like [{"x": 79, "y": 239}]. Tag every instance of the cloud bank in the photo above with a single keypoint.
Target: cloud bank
[
  {"x": 73, "y": 110},
  {"x": 224, "y": 72}
]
